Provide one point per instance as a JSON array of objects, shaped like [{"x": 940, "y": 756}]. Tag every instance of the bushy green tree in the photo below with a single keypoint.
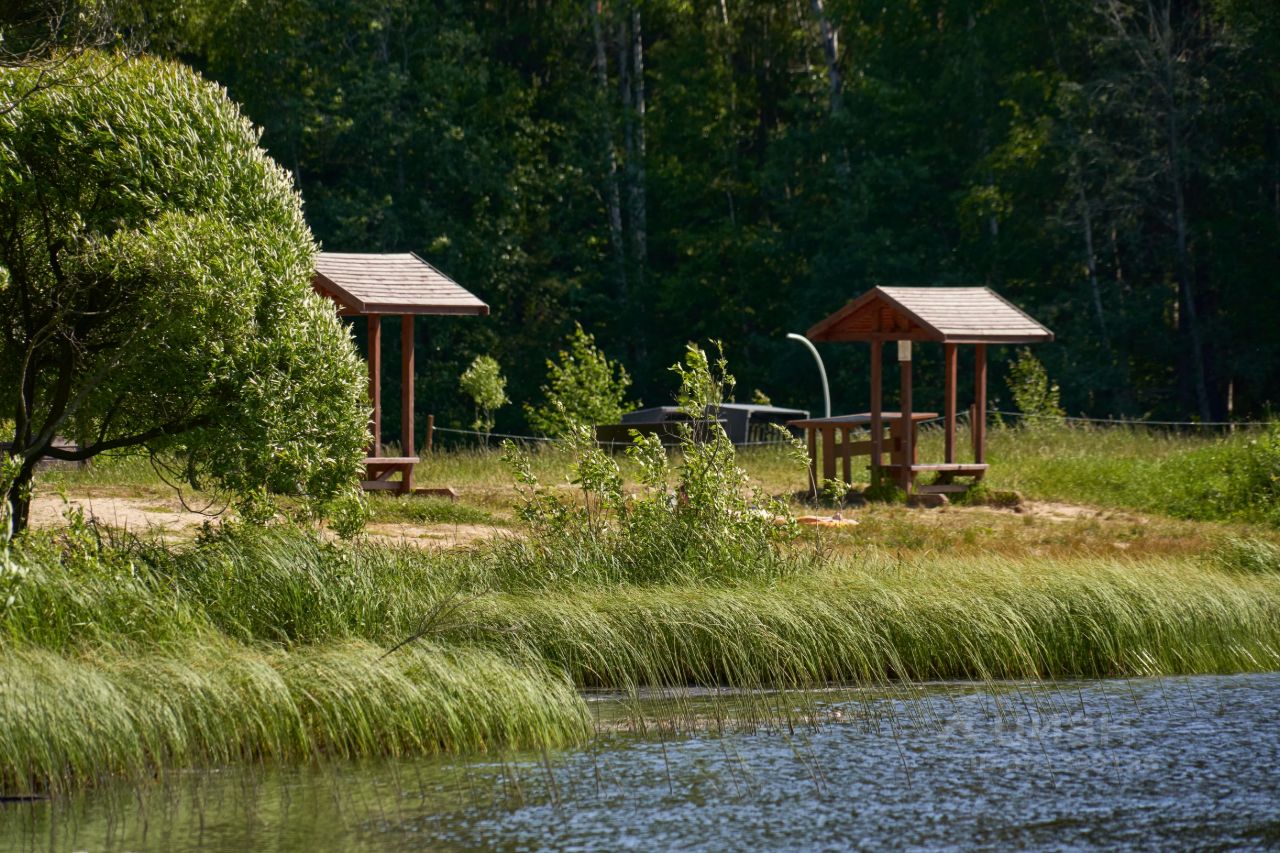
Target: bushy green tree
[
  {"x": 155, "y": 291},
  {"x": 583, "y": 386},
  {"x": 484, "y": 383},
  {"x": 1035, "y": 396}
]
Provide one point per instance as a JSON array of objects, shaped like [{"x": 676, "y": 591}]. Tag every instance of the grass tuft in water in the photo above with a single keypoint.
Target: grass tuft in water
[{"x": 76, "y": 720}]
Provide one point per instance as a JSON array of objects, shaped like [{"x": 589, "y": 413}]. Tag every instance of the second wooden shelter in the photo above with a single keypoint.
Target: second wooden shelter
[
  {"x": 375, "y": 286},
  {"x": 951, "y": 316}
]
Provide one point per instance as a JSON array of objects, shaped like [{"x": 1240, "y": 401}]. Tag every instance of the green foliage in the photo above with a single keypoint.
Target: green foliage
[
  {"x": 701, "y": 521},
  {"x": 834, "y": 491},
  {"x": 886, "y": 491},
  {"x": 155, "y": 277},
  {"x": 584, "y": 386},
  {"x": 484, "y": 383},
  {"x": 1034, "y": 395}
]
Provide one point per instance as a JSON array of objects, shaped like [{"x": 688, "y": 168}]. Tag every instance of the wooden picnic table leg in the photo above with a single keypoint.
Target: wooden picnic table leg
[
  {"x": 979, "y": 425},
  {"x": 375, "y": 383},
  {"x": 877, "y": 415},
  {"x": 828, "y": 453},
  {"x": 905, "y": 474},
  {"x": 845, "y": 454}
]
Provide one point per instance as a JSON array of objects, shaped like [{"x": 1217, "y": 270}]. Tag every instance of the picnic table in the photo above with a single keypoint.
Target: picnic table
[{"x": 842, "y": 426}]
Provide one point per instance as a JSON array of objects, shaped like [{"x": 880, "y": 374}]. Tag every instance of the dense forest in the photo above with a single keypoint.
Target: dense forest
[{"x": 672, "y": 170}]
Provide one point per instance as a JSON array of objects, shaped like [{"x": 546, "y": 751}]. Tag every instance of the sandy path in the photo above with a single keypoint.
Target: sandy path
[{"x": 168, "y": 519}]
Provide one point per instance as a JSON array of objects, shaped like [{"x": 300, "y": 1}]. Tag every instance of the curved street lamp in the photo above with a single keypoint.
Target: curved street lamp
[{"x": 822, "y": 371}]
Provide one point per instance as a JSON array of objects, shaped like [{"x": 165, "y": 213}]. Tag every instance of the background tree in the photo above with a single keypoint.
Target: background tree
[
  {"x": 484, "y": 383},
  {"x": 660, "y": 170},
  {"x": 583, "y": 387},
  {"x": 155, "y": 291}
]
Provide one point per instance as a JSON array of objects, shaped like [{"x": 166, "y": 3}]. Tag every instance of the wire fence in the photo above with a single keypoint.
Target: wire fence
[
  {"x": 1112, "y": 421},
  {"x": 486, "y": 438}
]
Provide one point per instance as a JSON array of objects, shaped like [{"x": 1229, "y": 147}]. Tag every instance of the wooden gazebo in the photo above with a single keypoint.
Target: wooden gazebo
[
  {"x": 375, "y": 286},
  {"x": 951, "y": 316}
]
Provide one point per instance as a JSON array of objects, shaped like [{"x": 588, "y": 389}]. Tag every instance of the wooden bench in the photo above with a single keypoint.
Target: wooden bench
[{"x": 379, "y": 470}]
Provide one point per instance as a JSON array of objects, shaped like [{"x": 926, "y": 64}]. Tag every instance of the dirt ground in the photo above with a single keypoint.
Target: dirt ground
[{"x": 170, "y": 520}]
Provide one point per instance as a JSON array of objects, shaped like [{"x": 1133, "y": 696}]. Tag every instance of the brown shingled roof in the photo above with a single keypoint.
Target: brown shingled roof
[
  {"x": 951, "y": 314},
  {"x": 391, "y": 284}
]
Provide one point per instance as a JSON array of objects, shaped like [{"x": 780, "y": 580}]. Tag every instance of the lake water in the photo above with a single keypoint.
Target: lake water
[{"x": 1153, "y": 764}]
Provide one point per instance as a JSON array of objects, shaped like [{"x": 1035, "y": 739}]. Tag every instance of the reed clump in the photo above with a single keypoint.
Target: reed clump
[
  {"x": 883, "y": 620},
  {"x": 71, "y": 720},
  {"x": 121, "y": 657}
]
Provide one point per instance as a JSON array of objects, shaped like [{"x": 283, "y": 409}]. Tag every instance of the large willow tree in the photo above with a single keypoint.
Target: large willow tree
[{"x": 155, "y": 292}]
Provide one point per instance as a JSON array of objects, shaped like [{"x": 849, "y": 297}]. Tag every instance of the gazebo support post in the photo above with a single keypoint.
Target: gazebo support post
[
  {"x": 877, "y": 405},
  {"x": 375, "y": 381},
  {"x": 949, "y": 410},
  {"x": 980, "y": 404},
  {"x": 406, "y": 394},
  {"x": 906, "y": 424}
]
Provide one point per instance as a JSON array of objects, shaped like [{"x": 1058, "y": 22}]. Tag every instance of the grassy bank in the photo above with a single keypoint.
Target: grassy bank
[{"x": 121, "y": 656}]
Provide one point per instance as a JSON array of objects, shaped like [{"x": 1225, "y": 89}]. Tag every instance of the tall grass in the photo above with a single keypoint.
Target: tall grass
[
  {"x": 120, "y": 657},
  {"x": 885, "y": 620},
  {"x": 70, "y": 720}
]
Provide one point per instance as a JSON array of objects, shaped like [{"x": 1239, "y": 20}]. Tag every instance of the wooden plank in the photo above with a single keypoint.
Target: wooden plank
[
  {"x": 828, "y": 453},
  {"x": 381, "y": 486},
  {"x": 406, "y": 385},
  {"x": 943, "y": 489},
  {"x": 877, "y": 409},
  {"x": 958, "y": 468},
  {"x": 391, "y": 460},
  {"x": 864, "y": 448},
  {"x": 949, "y": 403},
  {"x": 908, "y": 435},
  {"x": 375, "y": 381},
  {"x": 980, "y": 404}
]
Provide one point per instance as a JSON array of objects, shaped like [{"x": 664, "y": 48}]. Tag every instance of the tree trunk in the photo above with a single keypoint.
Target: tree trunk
[
  {"x": 1091, "y": 256},
  {"x": 18, "y": 500},
  {"x": 835, "y": 89},
  {"x": 831, "y": 52},
  {"x": 613, "y": 194},
  {"x": 1176, "y": 153},
  {"x": 639, "y": 212}
]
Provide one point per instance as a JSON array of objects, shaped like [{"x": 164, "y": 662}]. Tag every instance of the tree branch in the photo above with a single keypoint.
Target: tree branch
[{"x": 169, "y": 429}]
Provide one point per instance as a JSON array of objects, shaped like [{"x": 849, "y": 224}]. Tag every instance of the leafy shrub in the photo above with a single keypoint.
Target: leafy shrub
[
  {"x": 484, "y": 383},
  {"x": 1034, "y": 395},
  {"x": 584, "y": 386},
  {"x": 699, "y": 520}
]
